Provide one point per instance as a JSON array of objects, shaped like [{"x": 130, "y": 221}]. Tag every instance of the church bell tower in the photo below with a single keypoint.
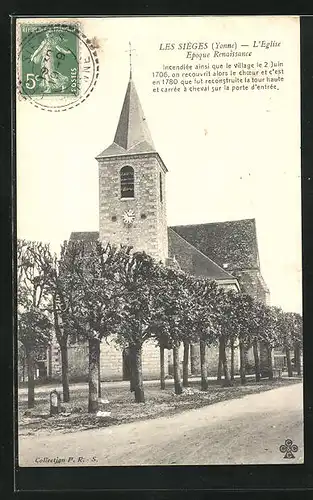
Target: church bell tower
[{"x": 132, "y": 201}]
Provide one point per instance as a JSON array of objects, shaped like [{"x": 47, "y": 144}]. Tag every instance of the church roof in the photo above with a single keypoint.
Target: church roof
[
  {"x": 232, "y": 244},
  {"x": 193, "y": 261},
  {"x": 132, "y": 135}
]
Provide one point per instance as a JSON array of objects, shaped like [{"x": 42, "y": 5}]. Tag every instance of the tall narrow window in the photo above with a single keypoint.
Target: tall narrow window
[
  {"x": 161, "y": 188},
  {"x": 127, "y": 182}
]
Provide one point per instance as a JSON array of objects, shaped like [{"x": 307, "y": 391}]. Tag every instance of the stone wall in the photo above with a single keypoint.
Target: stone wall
[
  {"x": 78, "y": 362},
  {"x": 111, "y": 362},
  {"x": 212, "y": 360},
  {"x": 151, "y": 362},
  {"x": 149, "y": 229}
]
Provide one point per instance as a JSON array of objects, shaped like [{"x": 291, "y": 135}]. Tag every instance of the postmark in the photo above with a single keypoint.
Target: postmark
[{"x": 58, "y": 65}]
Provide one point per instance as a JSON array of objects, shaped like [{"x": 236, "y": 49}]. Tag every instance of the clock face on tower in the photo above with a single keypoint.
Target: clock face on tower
[{"x": 128, "y": 217}]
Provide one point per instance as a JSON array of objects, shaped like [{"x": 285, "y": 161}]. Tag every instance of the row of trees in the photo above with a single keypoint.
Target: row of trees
[{"x": 92, "y": 292}]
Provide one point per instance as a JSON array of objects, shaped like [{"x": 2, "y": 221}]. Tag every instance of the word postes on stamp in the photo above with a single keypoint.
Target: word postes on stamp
[{"x": 58, "y": 65}]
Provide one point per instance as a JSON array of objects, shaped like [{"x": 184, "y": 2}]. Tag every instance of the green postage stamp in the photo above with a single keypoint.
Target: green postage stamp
[
  {"x": 49, "y": 61},
  {"x": 58, "y": 65}
]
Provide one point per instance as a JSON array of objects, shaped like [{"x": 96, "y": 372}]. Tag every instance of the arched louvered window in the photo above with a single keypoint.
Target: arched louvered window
[{"x": 127, "y": 182}]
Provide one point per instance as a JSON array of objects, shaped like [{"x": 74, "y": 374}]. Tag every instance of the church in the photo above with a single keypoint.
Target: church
[{"x": 132, "y": 211}]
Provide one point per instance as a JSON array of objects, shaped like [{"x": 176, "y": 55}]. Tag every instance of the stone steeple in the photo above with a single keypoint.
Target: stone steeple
[
  {"x": 132, "y": 134},
  {"x": 132, "y": 204}
]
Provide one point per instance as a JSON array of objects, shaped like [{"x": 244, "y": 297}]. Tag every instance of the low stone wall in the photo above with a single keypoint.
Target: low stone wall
[{"x": 111, "y": 362}]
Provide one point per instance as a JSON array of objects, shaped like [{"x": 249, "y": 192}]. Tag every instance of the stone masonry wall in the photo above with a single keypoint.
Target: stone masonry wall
[
  {"x": 212, "y": 359},
  {"x": 78, "y": 362},
  {"x": 149, "y": 230},
  {"x": 111, "y": 362}
]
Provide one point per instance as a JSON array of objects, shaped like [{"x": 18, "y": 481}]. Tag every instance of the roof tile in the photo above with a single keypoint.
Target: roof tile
[
  {"x": 232, "y": 244},
  {"x": 192, "y": 260}
]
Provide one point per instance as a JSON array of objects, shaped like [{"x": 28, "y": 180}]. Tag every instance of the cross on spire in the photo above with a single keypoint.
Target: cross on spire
[
  {"x": 130, "y": 50},
  {"x": 132, "y": 133}
]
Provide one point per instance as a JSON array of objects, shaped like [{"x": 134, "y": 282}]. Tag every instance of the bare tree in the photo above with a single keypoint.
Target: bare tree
[{"x": 33, "y": 320}]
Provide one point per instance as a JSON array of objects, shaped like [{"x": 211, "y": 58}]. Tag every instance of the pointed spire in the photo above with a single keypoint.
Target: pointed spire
[
  {"x": 130, "y": 60},
  {"x": 132, "y": 134},
  {"x": 132, "y": 129}
]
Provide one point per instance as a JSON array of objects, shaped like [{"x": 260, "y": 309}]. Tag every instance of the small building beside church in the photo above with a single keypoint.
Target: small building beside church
[{"x": 132, "y": 211}]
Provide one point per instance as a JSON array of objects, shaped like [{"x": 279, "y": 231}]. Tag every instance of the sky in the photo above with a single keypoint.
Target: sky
[{"x": 229, "y": 155}]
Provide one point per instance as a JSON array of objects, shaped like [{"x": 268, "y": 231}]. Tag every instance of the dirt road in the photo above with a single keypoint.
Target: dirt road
[{"x": 241, "y": 431}]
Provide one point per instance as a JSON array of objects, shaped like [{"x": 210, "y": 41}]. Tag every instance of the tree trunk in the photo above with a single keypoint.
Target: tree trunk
[
  {"x": 194, "y": 359},
  {"x": 93, "y": 404},
  {"x": 177, "y": 377},
  {"x": 162, "y": 368},
  {"x": 289, "y": 365},
  {"x": 242, "y": 362},
  {"x": 203, "y": 365},
  {"x": 131, "y": 351},
  {"x": 299, "y": 362},
  {"x": 99, "y": 369},
  {"x": 232, "y": 360},
  {"x": 227, "y": 380},
  {"x": 220, "y": 362},
  {"x": 297, "y": 354},
  {"x": 256, "y": 361},
  {"x": 30, "y": 377},
  {"x": 62, "y": 339},
  {"x": 186, "y": 364},
  {"x": 65, "y": 374},
  {"x": 23, "y": 368},
  {"x": 138, "y": 381},
  {"x": 270, "y": 362},
  {"x": 49, "y": 362}
]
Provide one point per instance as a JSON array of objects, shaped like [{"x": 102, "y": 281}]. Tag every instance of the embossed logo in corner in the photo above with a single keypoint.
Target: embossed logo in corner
[{"x": 288, "y": 448}]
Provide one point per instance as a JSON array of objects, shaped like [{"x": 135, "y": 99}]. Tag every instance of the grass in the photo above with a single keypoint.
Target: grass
[{"x": 123, "y": 408}]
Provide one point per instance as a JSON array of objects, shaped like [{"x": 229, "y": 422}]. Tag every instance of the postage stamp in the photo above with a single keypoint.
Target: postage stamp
[{"x": 58, "y": 65}]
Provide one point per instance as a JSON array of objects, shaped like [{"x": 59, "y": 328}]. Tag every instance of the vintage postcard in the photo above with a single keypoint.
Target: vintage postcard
[{"x": 159, "y": 279}]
